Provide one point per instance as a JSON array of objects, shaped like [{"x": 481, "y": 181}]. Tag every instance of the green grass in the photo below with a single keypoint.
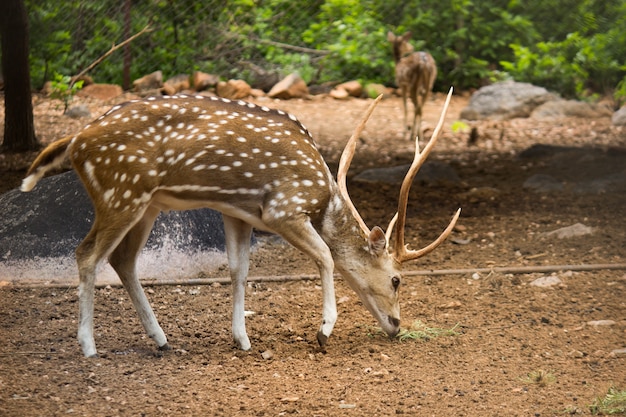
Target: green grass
[
  {"x": 419, "y": 331},
  {"x": 614, "y": 402}
]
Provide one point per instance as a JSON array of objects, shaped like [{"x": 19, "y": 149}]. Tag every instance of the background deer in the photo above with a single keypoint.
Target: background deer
[
  {"x": 416, "y": 73},
  {"x": 259, "y": 167}
]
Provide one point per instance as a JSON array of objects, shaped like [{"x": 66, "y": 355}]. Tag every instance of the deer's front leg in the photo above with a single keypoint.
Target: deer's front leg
[
  {"x": 298, "y": 231},
  {"x": 238, "y": 235},
  {"x": 329, "y": 303}
]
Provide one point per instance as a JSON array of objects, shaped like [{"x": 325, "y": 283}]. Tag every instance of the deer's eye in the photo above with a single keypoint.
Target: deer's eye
[{"x": 395, "y": 281}]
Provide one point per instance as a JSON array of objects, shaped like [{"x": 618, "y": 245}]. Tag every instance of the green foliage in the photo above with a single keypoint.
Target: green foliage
[
  {"x": 459, "y": 126},
  {"x": 355, "y": 38},
  {"x": 63, "y": 89},
  {"x": 575, "y": 47},
  {"x": 585, "y": 62},
  {"x": 614, "y": 402}
]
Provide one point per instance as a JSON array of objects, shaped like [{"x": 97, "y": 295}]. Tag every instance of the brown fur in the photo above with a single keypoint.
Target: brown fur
[
  {"x": 50, "y": 154},
  {"x": 416, "y": 73}
]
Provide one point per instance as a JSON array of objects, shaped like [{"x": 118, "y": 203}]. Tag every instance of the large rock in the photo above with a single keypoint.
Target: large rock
[
  {"x": 52, "y": 219},
  {"x": 291, "y": 86},
  {"x": 505, "y": 100}
]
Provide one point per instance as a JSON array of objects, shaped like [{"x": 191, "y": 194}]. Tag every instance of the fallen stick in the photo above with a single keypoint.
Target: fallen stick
[{"x": 310, "y": 277}]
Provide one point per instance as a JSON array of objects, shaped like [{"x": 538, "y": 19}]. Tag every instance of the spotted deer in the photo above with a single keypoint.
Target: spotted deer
[
  {"x": 259, "y": 167},
  {"x": 416, "y": 73}
]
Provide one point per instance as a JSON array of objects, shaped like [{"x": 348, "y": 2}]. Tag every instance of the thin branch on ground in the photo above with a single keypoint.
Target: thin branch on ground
[{"x": 310, "y": 277}]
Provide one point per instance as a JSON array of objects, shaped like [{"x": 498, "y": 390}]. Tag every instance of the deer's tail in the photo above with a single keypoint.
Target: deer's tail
[{"x": 51, "y": 157}]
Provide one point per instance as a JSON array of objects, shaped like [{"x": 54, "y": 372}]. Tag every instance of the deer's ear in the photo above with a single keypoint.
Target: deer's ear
[
  {"x": 377, "y": 241},
  {"x": 391, "y": 37},
  {"x": 407, "y": 36}
]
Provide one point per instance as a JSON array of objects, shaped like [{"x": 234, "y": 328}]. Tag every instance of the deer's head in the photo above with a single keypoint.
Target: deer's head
[
  {"x": 375, "y": 275},
  {"x": 400, "y": 44}
]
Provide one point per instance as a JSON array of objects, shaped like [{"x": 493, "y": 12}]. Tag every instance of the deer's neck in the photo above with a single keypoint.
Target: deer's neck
[{"x": 341, "y": 232}]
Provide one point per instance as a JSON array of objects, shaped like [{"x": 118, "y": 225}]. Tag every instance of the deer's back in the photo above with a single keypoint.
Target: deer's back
[
  {"x": 201, "y": 151},
  {"x": 417, "y": 71}
]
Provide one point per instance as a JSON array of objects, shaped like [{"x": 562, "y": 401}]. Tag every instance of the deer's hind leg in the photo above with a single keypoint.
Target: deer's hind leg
[
  {"x": 105, "y": 235},
  {"x": 407, "y": 128},
  {"x": 416, "y": 127},
  {"x": 124, "y": 261}
]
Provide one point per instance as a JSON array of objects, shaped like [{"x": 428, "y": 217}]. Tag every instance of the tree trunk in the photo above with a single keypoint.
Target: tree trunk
[{"x": 19, "y": 130}]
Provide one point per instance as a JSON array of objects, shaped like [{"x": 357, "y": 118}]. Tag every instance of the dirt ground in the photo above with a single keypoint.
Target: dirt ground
[{"x": 517, "y": 349}]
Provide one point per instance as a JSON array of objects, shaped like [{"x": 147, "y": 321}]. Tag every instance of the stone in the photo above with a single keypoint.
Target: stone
[
  {"x": 569, "y": 108},
  {"x": 292, "y": 86},
  {"x": 353, "y": 88},
  {"x": 176, "y": 84},
  {"x": 339, "y": 94},
  {"x": 431, "y": 173},
  {"x": 597, "y": 323},
  {"x": 233, "y": 89},
  {"x": 505, "y": 100},
  {"x": 203, "y": 81},
  {"x": 104, "y": 92},
  {"x": 619, "y": 117},
  {"x": 149, "y": 82},
  {"x": 53, "y": 218},
  {"x": 574, "y": 230},
  {"x": 546, "y": 282},
  {"x": 77, "y": 112}
]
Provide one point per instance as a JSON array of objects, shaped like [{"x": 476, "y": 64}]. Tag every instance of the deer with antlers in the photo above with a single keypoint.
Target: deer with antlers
[
  {"x": 259, "y": 167},
  {"x": 416, "y": 73}
]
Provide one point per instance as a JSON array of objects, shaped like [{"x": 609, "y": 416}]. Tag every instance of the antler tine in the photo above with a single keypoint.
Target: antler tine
[
  {"x": 346, "y": 159},
  {"x": 389, "y": 229},
  {"x": 402, "y": 253}
]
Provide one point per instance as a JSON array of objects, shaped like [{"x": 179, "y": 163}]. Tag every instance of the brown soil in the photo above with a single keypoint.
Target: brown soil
[{"x": 505, "y": 328}]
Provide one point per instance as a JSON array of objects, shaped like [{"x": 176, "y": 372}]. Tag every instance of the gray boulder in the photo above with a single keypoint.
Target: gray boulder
[
  {"x": 52, "y": 219},
  {"x": 505, "y": 100}
]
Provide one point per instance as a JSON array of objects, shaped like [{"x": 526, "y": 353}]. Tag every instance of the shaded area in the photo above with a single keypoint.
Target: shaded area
[{"x": 53, "y": 218}]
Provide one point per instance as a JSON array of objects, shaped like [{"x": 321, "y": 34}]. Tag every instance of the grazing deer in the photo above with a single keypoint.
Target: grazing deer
[
  {"x": 259, "y": 167},
  {"x": 416, "y": 73}
]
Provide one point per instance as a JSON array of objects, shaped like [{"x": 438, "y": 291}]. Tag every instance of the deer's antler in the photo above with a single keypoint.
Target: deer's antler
[
  {"x": 344, "y": 165},
  {"x": 401, "y": 251}
]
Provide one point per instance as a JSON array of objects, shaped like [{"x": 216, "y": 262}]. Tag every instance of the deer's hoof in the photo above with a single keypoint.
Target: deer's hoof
[
  {"x": 322, "y": 339},
  {"x": 165, "y": 347}
]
